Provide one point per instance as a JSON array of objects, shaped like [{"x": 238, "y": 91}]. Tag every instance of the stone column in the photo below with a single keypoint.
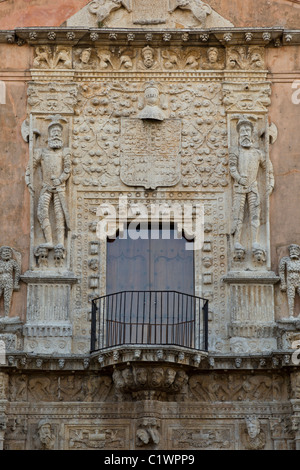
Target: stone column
[{"x": 3, "y": 406}]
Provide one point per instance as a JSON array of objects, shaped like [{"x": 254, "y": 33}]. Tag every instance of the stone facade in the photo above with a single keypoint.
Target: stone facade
[{"x": 163, "y": 103}]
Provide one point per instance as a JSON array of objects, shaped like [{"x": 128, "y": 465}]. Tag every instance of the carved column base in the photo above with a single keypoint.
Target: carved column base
[
  {"x": 10, "y": 335},
  {"x": 252, "y": 311},
  {"x": 48, "y": 328}
]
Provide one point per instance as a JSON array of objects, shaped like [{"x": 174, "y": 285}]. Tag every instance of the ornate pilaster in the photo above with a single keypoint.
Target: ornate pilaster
[
  {"x": 251, "y": 283},
  {"x": 3, "y": 406}
]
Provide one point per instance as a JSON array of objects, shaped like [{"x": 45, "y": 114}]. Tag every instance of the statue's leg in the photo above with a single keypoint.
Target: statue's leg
[
  {"x": 60, "y": 220},
  {"x": 254, "y": 209},
  {"x": 1, "y": 291},
  {"x": 238, "y": 217},
  {"x": 291, "y": 292},
  {"x": 43, "y": 216},
  {"x": 7, "y": 299}
]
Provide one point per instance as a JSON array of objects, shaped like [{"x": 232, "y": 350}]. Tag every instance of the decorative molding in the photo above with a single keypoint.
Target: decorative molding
[{"x": 39, "y": 36}]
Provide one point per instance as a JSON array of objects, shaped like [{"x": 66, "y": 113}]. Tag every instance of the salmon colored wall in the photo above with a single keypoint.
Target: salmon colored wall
[
  {"x": 284, "y": 65},
  {"x": 22, "y": 13},
  {"x": 14, "y": 196},
  {"x": 242, "y": 13}
]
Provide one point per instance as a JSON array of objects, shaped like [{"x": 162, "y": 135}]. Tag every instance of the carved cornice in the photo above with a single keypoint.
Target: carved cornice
[
  {"x": 251, "y": 277},
  {"x": 114, "y": 36},
  {"x": 273, "y": 361},
  {"x": 33, "y": 277}
]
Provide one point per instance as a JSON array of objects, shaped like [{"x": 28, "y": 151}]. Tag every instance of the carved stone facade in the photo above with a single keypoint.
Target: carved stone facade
[{"x": 131, "y": 106}]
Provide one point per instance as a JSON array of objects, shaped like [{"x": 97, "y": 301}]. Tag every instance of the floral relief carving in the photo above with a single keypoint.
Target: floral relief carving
[
  {"x": 52, "y": 57},
  {"x": 245, "y": 58},
  {"x": 147, "y": 59}
]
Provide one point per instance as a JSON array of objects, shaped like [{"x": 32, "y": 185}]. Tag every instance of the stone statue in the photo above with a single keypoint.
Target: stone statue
[
  {"x": 289, "y": 272},
  {"x": 152, "y": 109},
  {"x": 55, "y": 163},
  {"x": 199, "y": 9},
  {"x": 9, "y": 277},
  {"x": 244, "y": 163}
]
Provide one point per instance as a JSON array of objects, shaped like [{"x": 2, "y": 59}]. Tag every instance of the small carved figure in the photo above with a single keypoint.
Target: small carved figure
[
  {"x": 43, "y": 57},
  {"x": 55, "y": 163},
  {"x": 84, "y": 58},
  {"x": 93, "y": 264},
  {"x": 148, "y": 59},
  {"x": 152, "y": 109},
  {"x": 212, "y": 55},
  {"x": 59, "y": 255},
  {"x": 45, "y": 436},
  {"x": 244, "y": 164},
  {"x": 255, "y": 438},
  {"x": 41, "y": 254},
  {"x": 147, "y": 433},
  {"x": 9, "y": 277},
  {"x": 239, "y": 252},
  {"x": 289, "y": 272},
  {"x": 198, "y": 8},
  {"x": 259, "y": 255}
]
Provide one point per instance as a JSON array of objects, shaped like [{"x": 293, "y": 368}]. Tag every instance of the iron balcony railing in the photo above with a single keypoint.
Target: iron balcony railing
[{"x": 149, "y": 318}]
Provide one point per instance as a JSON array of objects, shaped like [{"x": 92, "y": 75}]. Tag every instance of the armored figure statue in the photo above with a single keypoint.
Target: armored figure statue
[
  {"x": 9, "y": 276},
  {"x": 289, "y": 272},
  {"x": 244, "y": 163},
  {"x": 55, "y": 163}
]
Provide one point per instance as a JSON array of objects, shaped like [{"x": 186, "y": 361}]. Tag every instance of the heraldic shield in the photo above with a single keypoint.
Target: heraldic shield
[{"x": 150, "y": 152}]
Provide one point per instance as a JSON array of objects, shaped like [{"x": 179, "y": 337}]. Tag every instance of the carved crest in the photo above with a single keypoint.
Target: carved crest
[{"x": 150, "y": 154}]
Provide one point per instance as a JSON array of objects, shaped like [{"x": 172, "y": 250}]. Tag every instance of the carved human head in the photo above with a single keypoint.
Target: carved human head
[
  {"x": 213, "y": 55},
  {"x": 143, "y": 436},
  {"x": 245, "y": 130},
  {"x": 207, "y": 261},
  {"x": 85, "y": 55},
  {"x": 55, "y": 135},
  {"x": 259, "y": 255},
  {"x": 93, "y": 264},
  {"x": 294, "y": 251},
  {"x": 45, "y": 433},
  {"x": 141, "y": 376},
  {"x": 239, "y": 252},
  {"x": 148, "y": 56},
  {"x": 170, "y": 376},
  {"x": 157, "y": 376},
  {"x": 128, "y": 376},
  {"x": 253, "y": 426},
  {"x": 152, "y": 95},
  {"x": 6, "y": 253}
]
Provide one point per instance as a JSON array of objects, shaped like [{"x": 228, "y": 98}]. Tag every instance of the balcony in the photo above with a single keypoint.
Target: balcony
[{"x": 149, "y": 318}]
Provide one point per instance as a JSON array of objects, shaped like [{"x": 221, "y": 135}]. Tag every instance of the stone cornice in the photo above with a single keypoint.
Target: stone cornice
[
  {"x": 74, "y": 36},
  {"x": 275, "y": 361}
]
